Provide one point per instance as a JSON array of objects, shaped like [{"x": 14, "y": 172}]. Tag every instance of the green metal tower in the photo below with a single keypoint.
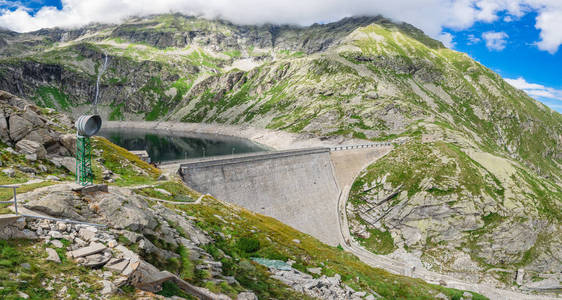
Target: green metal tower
[
  {"x": 84, "y": 175},
  {"x": 86, "y": 126}
]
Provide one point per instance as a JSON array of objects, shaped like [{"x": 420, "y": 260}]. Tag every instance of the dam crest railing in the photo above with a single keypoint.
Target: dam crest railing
[
  {"x": 360, "y": 146},
  {"x": 333, "y": 148}
]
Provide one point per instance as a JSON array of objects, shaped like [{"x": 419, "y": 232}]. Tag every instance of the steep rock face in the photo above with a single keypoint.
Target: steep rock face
[
  {"x": 29, "y": 132},
  {"x": 181, "y": 31},
  {"x": 458, "y": 213}
]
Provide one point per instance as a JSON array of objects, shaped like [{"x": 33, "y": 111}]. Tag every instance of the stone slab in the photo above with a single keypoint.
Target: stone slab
[
  {"x": 93, "y": 188},
  {"x": 117, "y": 265},
  {"x": 52, "y": 255},
  {"x": 8, "y": 219},
  {"x": 96, "y": 260},
  {"x": 92, "y": 249}
]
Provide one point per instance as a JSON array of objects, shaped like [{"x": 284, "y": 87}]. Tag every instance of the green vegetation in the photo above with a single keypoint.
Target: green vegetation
[
  {"x": 188, "y": 267},
  {"x": 546, "y": 194},
  {"x": 233, "y": 53},
  {"x": 378, "y": 242},
  {"x": 170, "y": 289},
  {"x": 240, "y": 235},
  {"x": 248, "y": 244},
  {"x": 131, "y": 169},
  {"x": 410, "y": 163},
  {"x": 202, "y": 59},
  {"x": 117, "y": 112},
  {"x": 182, "y": 86},
  {"x": 154, "y": 89},
  {"x": 35, "y": 280},
  {"x": 178, "y": 192},
  {"x": 158, "y": 110},
  {"x": 53, "y": 98}
]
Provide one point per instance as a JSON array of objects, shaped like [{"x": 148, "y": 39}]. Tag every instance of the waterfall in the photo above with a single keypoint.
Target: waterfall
[{"x": 100, "y": 73}]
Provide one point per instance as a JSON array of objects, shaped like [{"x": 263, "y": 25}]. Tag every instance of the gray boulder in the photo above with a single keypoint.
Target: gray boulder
[
  {"x": 247, "y": 296},
  {"x": 195, "y": 234},
  {"x": 4, "y": 133},
  {"x": 87, "y": 234},
  {"x": 52, "y": 255},
  {"x": 41, "y": 136},
  {"x": 125, "y": 211},
  {"x": 96, "y": 260},
  {"x": 108, "y": 287},
  {"x": 30, "y": 115},
  {"x": 546, "y": 284},
  {"x": 19, "y": 127},
  {"x": 31, "y": 148},
  {"x": 56, "y": 243},
  {"x": 64, "y": 204},
  {"x": 67, "y": 162},
  {"x": 52, "y": 178},
  {"x": 69, "y": 142},
  {"x": 9, "y": 172},
  {"x": 13, "y": 232}
]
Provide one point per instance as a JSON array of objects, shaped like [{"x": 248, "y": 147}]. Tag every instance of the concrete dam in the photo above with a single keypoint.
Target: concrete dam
[{"x": 301, "y": 188}]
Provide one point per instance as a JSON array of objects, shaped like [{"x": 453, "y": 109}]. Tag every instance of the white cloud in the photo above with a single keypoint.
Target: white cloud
[
  {"x": 472, "y": 39},
  {"x": 447, "y": 39},
  {"x": 550, "y": 96},
  {"x": 495, "y": 41},
  {"x": 432, "y": 16},
  {"x": 548, "y": 22}
]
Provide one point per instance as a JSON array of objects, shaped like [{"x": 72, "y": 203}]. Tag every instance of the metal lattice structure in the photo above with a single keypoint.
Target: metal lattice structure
[{"x": 84, "y": 175}]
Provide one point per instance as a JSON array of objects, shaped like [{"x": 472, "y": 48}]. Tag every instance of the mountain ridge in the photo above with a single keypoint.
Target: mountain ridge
[{"x": 350, "y": 80}]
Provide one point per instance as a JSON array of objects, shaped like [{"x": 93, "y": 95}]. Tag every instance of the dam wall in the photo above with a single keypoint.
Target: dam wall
[{"x": 296, "y": 187}]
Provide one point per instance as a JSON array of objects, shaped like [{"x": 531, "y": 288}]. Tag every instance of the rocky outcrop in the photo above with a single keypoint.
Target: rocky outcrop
[
  {"x": 329, "y": 288},
  {"x": 102, "y": 251},
  {"x": 25, "y": 127},
  {"x": 129, "y": 217},
  {"x": 420, "y": 205},
  {"x": 31, "y": 148}
]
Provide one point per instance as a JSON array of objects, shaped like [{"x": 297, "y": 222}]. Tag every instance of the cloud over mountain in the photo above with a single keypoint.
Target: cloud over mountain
[
  {"x": 432, "y": 16},
  {"x": 495, "y": 41}
]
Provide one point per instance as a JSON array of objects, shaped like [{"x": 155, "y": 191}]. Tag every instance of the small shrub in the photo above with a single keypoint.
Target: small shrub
[{"x": 248, "y": 244}]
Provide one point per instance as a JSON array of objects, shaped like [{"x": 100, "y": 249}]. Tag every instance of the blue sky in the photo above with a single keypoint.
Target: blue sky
[
  {"x": 519, "y": 39},
  {"x": 33, "y": 5},
  {"x": 520, "y": 58}
]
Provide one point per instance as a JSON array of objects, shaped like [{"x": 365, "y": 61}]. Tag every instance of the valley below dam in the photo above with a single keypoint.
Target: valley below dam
[{"x": 300, "y": 180}]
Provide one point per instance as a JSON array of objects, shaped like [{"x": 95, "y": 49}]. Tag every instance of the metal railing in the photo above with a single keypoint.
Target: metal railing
[
  {"x": 360, "y": 146},
  {"x": 15, "y": 200}
]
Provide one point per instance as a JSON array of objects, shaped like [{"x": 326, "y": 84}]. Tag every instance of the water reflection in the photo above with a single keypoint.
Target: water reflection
[{"x": 162, "y": 146}]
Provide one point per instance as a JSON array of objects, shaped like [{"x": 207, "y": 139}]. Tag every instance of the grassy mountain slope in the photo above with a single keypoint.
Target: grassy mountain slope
[
  {"x": 482, "y": 156},
  {"x": 237, "y": 234}
]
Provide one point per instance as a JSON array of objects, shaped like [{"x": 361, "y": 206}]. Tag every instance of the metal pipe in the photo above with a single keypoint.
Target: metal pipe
[
  {"x": 15, "y": 200},
  {"x": 88, "y": 125},
  {"x": 63, "y": 220}
]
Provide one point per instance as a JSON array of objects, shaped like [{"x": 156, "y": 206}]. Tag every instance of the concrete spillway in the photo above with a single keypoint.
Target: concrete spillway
[{"x": 300, "y": 188}]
